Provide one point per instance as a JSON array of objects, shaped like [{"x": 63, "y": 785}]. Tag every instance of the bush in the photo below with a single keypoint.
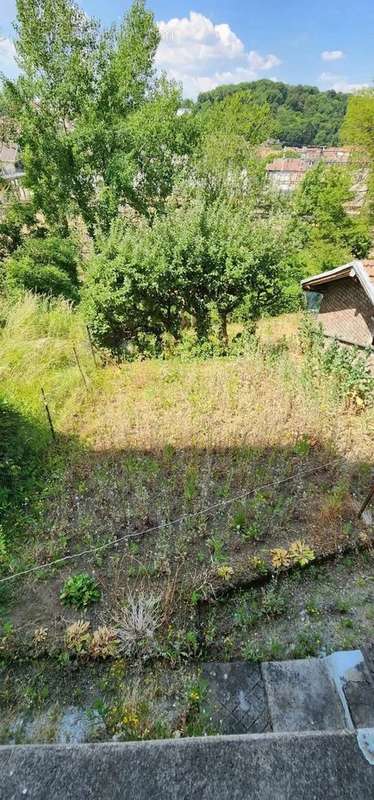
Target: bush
[
  {"x": 45, "y": 266},
  {"x": 348, "y": 366},
  {"x": 80, "y": 591}
]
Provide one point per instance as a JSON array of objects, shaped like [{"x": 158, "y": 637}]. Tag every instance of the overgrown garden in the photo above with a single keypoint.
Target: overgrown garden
[{"x": 208, "y": 450}]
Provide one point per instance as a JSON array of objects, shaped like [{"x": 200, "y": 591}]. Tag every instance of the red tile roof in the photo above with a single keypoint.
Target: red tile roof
[{"x": 287, "y": 165}]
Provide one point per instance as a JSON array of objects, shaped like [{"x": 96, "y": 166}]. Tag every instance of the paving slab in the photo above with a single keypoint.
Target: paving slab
[
  {"x": 368, "y": 653},
  {"x": 355, "y": 686},
  {"x": 302, "y": 696},
  {"x": 235, "y": 698},
  {"x": 308, "y": 766}
]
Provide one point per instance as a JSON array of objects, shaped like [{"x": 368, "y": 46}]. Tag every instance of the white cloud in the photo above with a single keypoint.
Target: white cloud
[
  {"x": 340, "y": 83},
  {"x": 202, "y": 55},
  {"x": 332, "y": 55},
  {"x": 7, "y": 56}
]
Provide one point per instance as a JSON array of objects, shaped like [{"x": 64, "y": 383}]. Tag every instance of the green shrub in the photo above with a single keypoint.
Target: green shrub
[
  {"x": 348, "y": 366},
  {"x": 80, "y": 591},
  {"x": 45, "y": 266}
]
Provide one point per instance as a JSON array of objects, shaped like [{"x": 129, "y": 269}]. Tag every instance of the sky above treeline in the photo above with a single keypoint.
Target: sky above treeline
[{"x": 327, "y": 43}]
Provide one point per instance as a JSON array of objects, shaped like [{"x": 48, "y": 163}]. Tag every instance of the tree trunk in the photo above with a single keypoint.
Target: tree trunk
[
  {"x": 202, "y": 325},
  {"x": 223, "y": 335}
]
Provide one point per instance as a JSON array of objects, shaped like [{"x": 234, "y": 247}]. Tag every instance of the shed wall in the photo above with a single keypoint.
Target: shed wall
[{"x": 347, "y": 313}]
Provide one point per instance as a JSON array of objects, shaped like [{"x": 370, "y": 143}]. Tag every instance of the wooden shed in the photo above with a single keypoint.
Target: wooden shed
[{"x": 345, "y": 301}]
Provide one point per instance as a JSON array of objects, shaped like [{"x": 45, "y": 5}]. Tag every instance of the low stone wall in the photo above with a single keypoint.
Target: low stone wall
[{"x": 322, "y": 766}]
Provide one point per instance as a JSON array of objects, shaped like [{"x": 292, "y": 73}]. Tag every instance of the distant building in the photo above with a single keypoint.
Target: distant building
[
  {"x": 346, "y": 302},
  {"x": 11, "y": 173},
  {"x": 285, "y": 173}
]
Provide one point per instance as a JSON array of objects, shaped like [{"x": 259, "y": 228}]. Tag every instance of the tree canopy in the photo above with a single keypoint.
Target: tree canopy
[
  {"x": 358, "y": 129},
  {"x": 302, "y": 115},
  {"x": 97, "y": 128}
]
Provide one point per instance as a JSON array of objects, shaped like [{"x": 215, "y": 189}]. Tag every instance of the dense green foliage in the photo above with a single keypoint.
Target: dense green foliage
[
  {"x": 21, "y": 443},
  {"x": 199, "y": 255},
  {"x": 97, "y": 128},
  {"x": 177, "y": 221},
  {"x": 347, "y": 367},
  {"x": 44, "y": 266},
  {"x": 358, "y": 129},
  {"x": 303, "y": 115},
  {"x": 328, "y": 235}
]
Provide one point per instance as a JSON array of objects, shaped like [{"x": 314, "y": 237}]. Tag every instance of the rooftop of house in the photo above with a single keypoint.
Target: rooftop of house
[
  {"x": 287, "y": 165},
  {"x": 305, "y": 157},
  {"x": 363, "y": 271}
]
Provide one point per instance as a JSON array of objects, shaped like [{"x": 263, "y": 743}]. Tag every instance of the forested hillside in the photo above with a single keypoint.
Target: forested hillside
[{"x": 303, "y": 114}]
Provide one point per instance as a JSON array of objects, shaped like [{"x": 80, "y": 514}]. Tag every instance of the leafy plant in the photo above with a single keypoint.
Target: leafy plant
[
  {"x": 216, "y": 546},
  {"x": 259, "y": 565},
  {"x": 273, "y": 602},
  {"x": 225, "y": 571},
  {"x": 78, "y": 637},
  {"x": 280, "y": 557},
  {"x": 347, "y": 366},
  {"x": 104, "y": 643},
  {"x": 251, "y": 652},
  {"x": 300, "y": 553},
  {"x": 45, "y": 266},
  {"x": 80, "y": 591},
  {"x": 253, "y": 532}
]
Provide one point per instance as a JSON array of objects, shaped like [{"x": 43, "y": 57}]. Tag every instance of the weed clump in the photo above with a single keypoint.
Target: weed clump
[
  {"x": 80, "y": 591},
  {"x": 138, "y": 623},
  {"x": 78, "y": 637},
  {"x": 104, "y": 643},
  {"x": 347, "y": 366}
]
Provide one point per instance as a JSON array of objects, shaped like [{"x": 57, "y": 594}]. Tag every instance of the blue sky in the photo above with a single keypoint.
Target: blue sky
[{"x": 328, "y": 43}]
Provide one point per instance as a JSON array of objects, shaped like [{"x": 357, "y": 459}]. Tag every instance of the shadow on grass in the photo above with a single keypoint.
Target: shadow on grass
[{"x": 161, "y": 500}]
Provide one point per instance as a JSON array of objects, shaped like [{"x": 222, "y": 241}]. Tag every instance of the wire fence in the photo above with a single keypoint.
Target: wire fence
[{"x": 176, "y": 521}]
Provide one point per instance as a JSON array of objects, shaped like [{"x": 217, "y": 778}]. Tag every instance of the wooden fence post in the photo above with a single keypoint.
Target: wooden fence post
[
  {"x": 47, "y": 411},
  {"x": 80, "y": 368},
  {"x": 91, "y": 345},
  {"x": 366, "y": 502}
]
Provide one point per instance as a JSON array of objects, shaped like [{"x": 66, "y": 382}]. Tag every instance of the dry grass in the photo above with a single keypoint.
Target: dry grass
[{"x": 160, "y": 439}]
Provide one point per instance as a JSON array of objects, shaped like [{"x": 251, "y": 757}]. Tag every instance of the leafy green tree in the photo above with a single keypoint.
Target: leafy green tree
[
  {"x": 244, "y": 260},
  {"x": 198, "y": 254},
  {"x": 96, "y": 127},
  {"x": 18, "y": 221},
  {"x": 131, "y": 292},
  {"x": 329, "y": 235},
  {"x": 228, "y": 132},
  {"x": 58, "y": 50},
  {"x": 358, "y": 130}
]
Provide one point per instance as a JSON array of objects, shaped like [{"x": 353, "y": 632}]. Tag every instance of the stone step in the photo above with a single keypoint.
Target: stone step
[
  {"x": 235, "y": 700},
  {"x": 272, "y": 766},
  {"x": 332, "y": 693},
  {"x": 353, "y": 675},
  {"x": 302, "y": 696}
]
